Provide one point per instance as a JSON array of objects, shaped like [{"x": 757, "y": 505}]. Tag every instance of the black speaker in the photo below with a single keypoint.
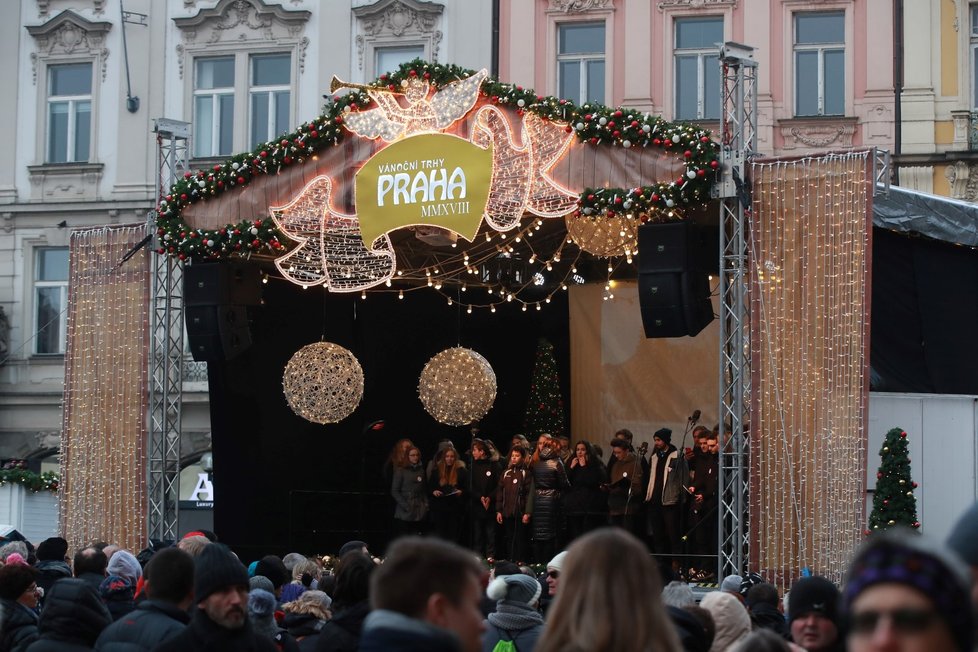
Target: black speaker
[
  {"x": 674, "y": 289},
  {"x": 216, "y": 300}
]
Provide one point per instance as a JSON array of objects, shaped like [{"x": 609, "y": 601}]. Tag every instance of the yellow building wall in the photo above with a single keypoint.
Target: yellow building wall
[
  {"x": 942, "y": 186},
  {"x": 949, "y": 50}
]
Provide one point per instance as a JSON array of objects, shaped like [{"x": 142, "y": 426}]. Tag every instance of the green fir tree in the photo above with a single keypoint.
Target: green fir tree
[
  {"x": 893, "y": 502},
  {"x": 544, "y": 406}
]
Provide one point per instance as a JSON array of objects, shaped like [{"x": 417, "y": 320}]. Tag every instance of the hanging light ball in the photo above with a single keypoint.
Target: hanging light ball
[
  {"x": 323, "y": 382},
  {"x": 457, "y": 386},
  {"x": 604, "y": 236}
]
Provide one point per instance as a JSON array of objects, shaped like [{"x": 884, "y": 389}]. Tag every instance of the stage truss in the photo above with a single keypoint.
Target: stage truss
[{"x": 166, "y": 349}]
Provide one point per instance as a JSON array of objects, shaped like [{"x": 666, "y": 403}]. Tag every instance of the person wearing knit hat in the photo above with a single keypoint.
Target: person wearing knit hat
[
  {"x": 516, "y": 618},
  {"x": 554, "y": 569},
  {"x": 272, "y": 567},
  {"x": 261, "y": 612},
  {"x": 260, "y": 582},
  {"x": 813, "y": 614},
  {"x": 51, "y": 565},
  {"x": 964, "y": 541},
  {"x": 907, "y": 592},
  {"x": 220, "y": 620},
  {"x": 665, "y": 497}
]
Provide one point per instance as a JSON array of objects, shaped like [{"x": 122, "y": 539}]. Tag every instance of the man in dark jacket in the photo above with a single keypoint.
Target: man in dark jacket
[
  {"x": 72, "y": 619},
  {"x": 51, "y": 565},
  {"x": 426, "y": 599},
  {"x": 764, "y": 606},
  {"x": 169, "y": 586},
  {"x": 220, "y": 621},
  {"x": 90, "y": 564}
]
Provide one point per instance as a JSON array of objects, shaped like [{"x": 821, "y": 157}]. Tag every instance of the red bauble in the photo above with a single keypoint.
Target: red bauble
[
  {"x": 594, "y": 141},
  {"x": 187, "y": 175},
  {"x": 314, "y": 134},
  {"x": 688, "y": 154},
  {"x": 241, "y": 180},
  {"x": 183, "y": 196},
  {"x": 264, "y": 153},
  {"x": 590, "y": 197},
  {"x": 903, "y": 435},
  {"x": 338, "y": 120},
  {"x": 568, "y": 129},
  {"x": 916, "y": 523},
  {"x": 879, "y": 475},
  {"x": 257, "y": 222},
  {"x": 914, "y": 485},
  {"x": 714, "y": 164}
]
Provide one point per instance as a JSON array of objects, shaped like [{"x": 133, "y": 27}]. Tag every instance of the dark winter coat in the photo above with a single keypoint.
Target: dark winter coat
[
  {"x": 514, "y": 491},
  {"x": 389, "y": 631},
  {"x": 50, "y": 571},
  {"x": 18, "y": 626},
  {"x": 342, "y": 632},
  {"x": 410, "y": 493},
  {"x": 549, "y": 482},
  {"x": 706, "y": 476},
  {"x": 72, "y": 619},
  {"x": 585, "y": 495},
  {"x": 204, "y": 635},
  {"x": 151, "y": 623},
  {"x": 625, "y": 486},
  {"x": 456, "y": 502},
  {"x": 304, "y": 628},
  {"x": 764, "y": 616},
  {"x": 118, "y": 594},
  {"x": 483, "y": 479}
]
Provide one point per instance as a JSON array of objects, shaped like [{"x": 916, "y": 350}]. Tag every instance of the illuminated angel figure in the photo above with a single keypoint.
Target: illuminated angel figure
[{"x": 391, "y": 119}]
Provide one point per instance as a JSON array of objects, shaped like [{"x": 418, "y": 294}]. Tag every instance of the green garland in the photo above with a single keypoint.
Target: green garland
[
  {"x": 591, "y": 123},
  {"x": 35, "y": 482}
]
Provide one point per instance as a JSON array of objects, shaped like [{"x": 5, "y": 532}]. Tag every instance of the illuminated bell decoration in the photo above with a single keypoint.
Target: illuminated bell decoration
[
  {"x": 457, "y": 386},
  {"x": 323, "y": 382},
  {"x": 603, "y": 236}
]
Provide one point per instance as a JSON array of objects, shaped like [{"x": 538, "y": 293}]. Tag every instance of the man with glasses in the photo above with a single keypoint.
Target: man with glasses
[
  {"x": 18, "y": 599},
  {"x": 908, "y": 594}
]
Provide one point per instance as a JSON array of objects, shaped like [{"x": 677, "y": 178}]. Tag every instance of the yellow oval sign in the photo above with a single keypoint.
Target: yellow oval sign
[{"x": 429, "y": 179}]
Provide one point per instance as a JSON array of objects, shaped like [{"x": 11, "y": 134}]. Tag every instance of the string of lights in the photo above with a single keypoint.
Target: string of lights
[
  {"x": 809, "y": 244},
  {"x": 103, "y": 490}
]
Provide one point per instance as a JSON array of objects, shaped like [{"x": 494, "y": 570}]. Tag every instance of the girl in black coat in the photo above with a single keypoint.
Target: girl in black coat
[
  {"x": 585, "y": 504},
  {"x": 448, "y": 483},
  {"x": 549, "y": 483}
]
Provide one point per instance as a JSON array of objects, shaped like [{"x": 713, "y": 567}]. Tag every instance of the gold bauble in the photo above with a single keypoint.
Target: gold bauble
[
  {"x": 604, "y": 236},
  {"x": 323, "y": 382},
  {"x": 457, "y": 386}
]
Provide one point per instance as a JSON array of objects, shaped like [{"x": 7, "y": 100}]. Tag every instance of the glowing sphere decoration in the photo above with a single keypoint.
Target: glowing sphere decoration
[
  {"x": 457, "y": 386},
  {"x": 604, "y": 236},
  {"x": 323, "y": 382}
]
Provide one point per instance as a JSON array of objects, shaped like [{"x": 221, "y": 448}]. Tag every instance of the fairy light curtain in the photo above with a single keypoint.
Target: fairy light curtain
[
  {"x": 102, "y": 443},
  {"x": 810, "y": 260}
]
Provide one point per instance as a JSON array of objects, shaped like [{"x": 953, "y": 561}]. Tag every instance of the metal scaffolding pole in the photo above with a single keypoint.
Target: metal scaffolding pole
[
  {"x": 166, "y": 349},
  {"x": 738, "y": 73}
]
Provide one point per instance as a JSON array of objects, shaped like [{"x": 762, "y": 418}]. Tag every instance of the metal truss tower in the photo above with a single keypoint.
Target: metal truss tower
[
  {"x": 738, "y": 74},
  {"x": 166, "y": 348}
]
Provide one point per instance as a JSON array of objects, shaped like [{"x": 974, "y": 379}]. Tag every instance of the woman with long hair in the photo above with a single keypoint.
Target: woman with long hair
[
  {"x": 549, "y": 482},
  {"x": 410, "y": 493},
  {"x": 585, "y": 504},
  {"x": 512, "y": 508},
  {"x": 447, "y": 485},
  {"x": 609, "y": 599},
  {"x": 397, "y": 459}
]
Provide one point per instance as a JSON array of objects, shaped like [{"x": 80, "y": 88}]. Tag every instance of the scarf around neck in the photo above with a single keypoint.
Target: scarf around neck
[{"x": 514, "y": 616}]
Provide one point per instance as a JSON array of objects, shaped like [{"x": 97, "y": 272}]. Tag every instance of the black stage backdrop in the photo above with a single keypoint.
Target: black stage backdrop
[
  {"x": 925, "y": 307},
  {"x": 284, "y": 484}
]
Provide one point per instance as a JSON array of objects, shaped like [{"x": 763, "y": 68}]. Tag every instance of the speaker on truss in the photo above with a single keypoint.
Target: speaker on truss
[
  {"x": 216, "y": 299},
  {"x": 673, "y": 286}
]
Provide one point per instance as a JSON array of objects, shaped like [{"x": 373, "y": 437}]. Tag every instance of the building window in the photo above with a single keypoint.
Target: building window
[
  {"x": 270, "y": 93},
  {"x": 388, "y": 59},
  {"x": 69, "y": 112},
  {"x": 697, "y": 67},
  {"x": 820, "y": 63},
  {"x": 50, "y": 299},
  {"x": 213, "y": 106},
  {"x": 974, "y": 56},
  {"x": 580, "y": 62}
]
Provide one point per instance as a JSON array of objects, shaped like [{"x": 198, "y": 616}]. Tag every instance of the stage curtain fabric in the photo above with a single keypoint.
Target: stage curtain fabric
[
  {"x": 103, "y": 489},
  {"x": 620, "y": 379},
  {"x": 810, "y": 256}
]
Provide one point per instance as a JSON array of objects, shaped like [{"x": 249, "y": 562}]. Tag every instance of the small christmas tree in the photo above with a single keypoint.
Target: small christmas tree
[
  {"x": 544, "y": 406},
  {"x": 894, "y": 502}
]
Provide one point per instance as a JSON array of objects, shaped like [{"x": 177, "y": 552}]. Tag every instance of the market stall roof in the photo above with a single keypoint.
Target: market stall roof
[{"x": 915, "y": 212}]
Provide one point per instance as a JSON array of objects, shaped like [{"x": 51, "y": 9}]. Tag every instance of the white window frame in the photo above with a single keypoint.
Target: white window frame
[
  {"x": 71, "y": 156},
  {"x": 584, "y": 59},
  {"x": 821, "y": 49},
  {"x": 702, "y": 54},
  {"x": 270, "y": 130},
  {"x": 380, "y": 47},
  {"x": 37, "y": 285},
  {"x": 215, "y": 94}
]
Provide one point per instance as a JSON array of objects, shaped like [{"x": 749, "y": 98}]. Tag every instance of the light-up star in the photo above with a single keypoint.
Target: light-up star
[
  {"x": 521, "y": 179},
  {"x": 391, "y": 119},
  {"x": 331, "y": 250}
]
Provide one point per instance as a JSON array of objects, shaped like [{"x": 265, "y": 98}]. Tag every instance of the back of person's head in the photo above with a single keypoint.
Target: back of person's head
[
  {"x": 310, "y": 603},
  {"x": 291, "y": 559},
  {"x": 272, "y": 567},
  {"x": 678, "y": 594},
  {"x": 352, "y": 579},
  {"x": 124, "y": 564},
  {"x": 762, "y": 640},
  {"x": 11, "y": 547},
  {"x": 729, "y": 616},
  {"x": 305, "y": 567},
  {"x": 15, "y": 579},
  {"x": 763, "y": 593},
  {"x": 416, "y": 569},
  {"x": 52, "y": 549},
  {"x": 193, "y": 545},
  {"x": 607, "y": 578},
  {"x": 170, "y": 576},
  {"x": 90, "y": 560},
  {"x": 691, "y": 632},
  {"x": 705, "y": 619},
  {"x": 350, "y": 546}
]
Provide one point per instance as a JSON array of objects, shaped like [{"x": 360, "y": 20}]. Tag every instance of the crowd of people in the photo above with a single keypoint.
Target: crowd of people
[
  {"x": 902, "y": 592},
  {"x": 537, "y": 498}
]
